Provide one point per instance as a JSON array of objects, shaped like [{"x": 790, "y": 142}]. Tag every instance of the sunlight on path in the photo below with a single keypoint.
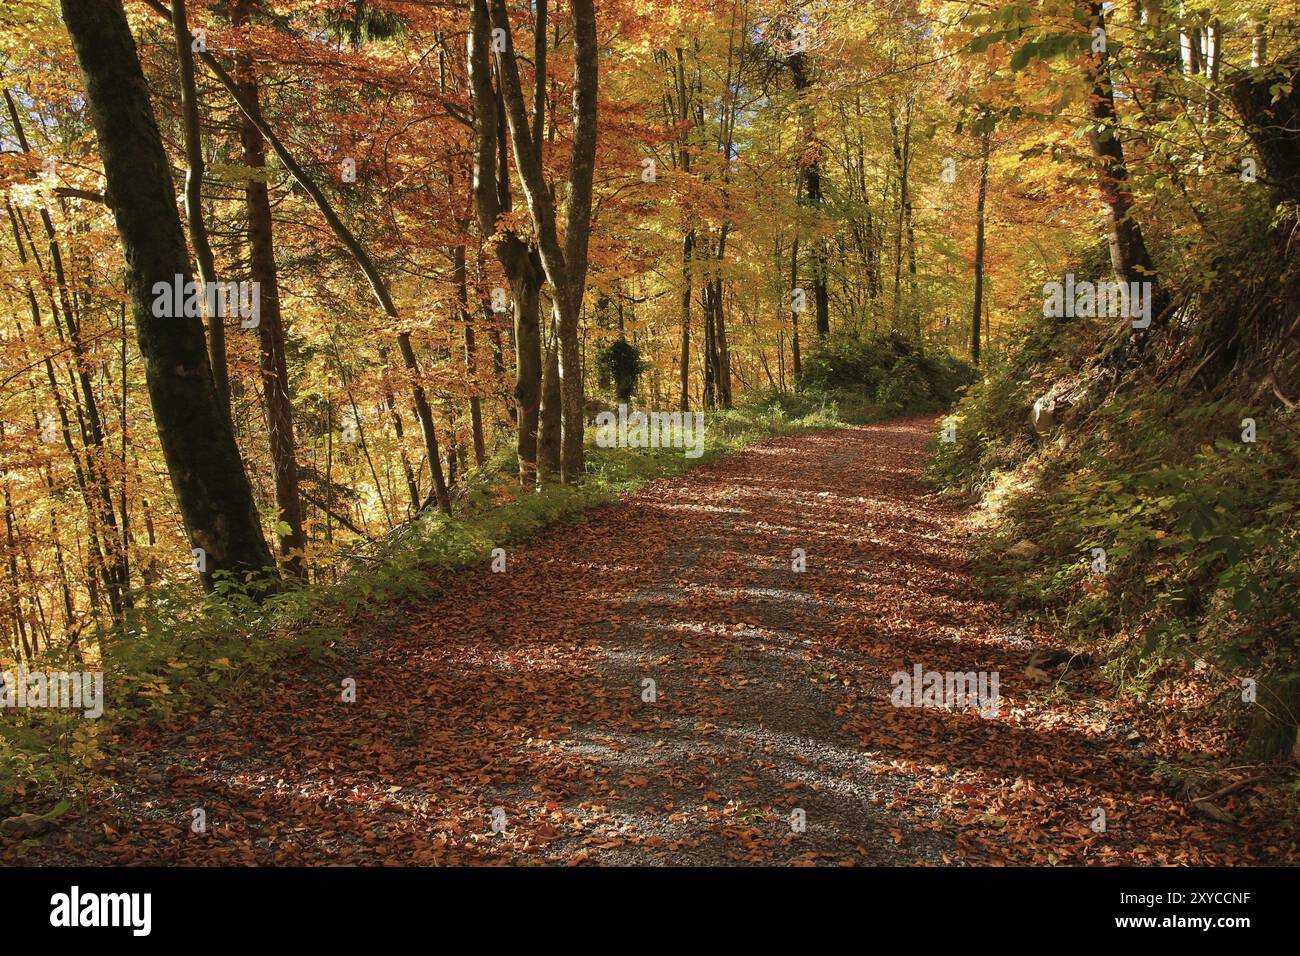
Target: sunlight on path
[{"x": 768, "y": 734}]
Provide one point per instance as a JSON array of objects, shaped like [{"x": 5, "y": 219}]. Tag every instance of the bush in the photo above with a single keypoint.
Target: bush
[
  {"x": 621, "y": 363},
  {"x": 887, "y": 371}
]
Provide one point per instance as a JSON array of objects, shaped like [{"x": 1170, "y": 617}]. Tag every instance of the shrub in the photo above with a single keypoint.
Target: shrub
[
  {"x": 620, "y": 362},
  {"x": 887, "y": 371}
]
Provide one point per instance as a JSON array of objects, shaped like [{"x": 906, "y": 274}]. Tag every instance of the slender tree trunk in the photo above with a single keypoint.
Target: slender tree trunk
[
  {"x": 408, "y": 473},
  {"x": 1190, "y": 41},
  {"x": 979, "y": 249},
  {"x": 679, "y": 111},
  {"x": 475, "y": 402},
  {"x": 1128, "y": 252},
  {"x": 722, "y": 355},
  {"x": 453, "y": 453},
  {"x": 270, "y": 330},
  {"x": 69, "y": 614},
  {"x": 1258, "y": 42},
  {"x": 15, "y": 587},
  {"x": 795, "y": 365},
  {"x": 902, "y": 158},
  {"x": 914, "y": 294},
  {"x": 357, "y": 419},
  {"x": 688, "y": 247},
  {"x": 709, "y": 351},
  {"x": 810, "y": 170},
  {"x": 194, "y": 203},
  {"x": 424, "y": 414},
  {"x": 207, "y": 475},
  {"x": 551, "y": 421}
]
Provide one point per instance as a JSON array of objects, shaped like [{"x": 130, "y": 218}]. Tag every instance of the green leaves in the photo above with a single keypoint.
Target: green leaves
[
  {"x": 1022, "y": 56},
  {"x": 1050, "y": 47},
  {"x": 1200, "y": 533}
]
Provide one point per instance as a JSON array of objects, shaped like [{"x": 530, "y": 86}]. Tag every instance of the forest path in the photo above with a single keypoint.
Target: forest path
[{"x": 524, "y": 691}]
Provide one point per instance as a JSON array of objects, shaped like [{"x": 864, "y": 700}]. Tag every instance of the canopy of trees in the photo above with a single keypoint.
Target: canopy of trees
[{"x": 448, "y": 212}]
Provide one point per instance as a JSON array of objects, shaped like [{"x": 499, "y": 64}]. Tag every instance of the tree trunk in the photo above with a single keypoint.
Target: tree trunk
[
  {"x": 475, "y": 402},
  {"x": 194, "y": 203},
  {"x": 528, "y": 371},
  {"x": 424, "y": 413},
  {"x": 1128, "y": 252},
  {"x": 721, "y": 354},
  {"x": 207, "y": 475},
  {"x": 551, "y": 419},
  {"x": 708, "y": 353},
  {"x": 390, "y": 403},
  {"x": 903, "y": 159},
  {"x": 582, "y": 171},
  {"x": 1190, "y": 41},
  {"x": 688, "y": 246},
  {"x": 1258, "y": 42},
  {"x": 811, "y": 173},
  {"x": 979, "y": 250},
  {"x": 795, "y": 365},
  {"x": 270, "y": 330},
  {"x": 679, "y": 110},
  {"x": 1272, "y": 118},
  {"x": 522, "y": 269}
]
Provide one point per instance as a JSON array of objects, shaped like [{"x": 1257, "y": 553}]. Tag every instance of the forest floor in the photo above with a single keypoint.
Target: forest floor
[{"x": 525, "y": 691}]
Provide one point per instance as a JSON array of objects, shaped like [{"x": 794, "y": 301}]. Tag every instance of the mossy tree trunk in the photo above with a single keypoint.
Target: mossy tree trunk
[{"x": 207, "y": 475}]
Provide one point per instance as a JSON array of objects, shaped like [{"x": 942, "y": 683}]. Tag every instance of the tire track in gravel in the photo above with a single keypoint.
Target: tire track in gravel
[{"x": 748, "y": 698}]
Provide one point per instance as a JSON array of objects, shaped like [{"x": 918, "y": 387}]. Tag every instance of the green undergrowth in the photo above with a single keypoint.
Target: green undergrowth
[
  {"x": 1198, "y": 527},
  {"x": 872, "y": 377}
]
